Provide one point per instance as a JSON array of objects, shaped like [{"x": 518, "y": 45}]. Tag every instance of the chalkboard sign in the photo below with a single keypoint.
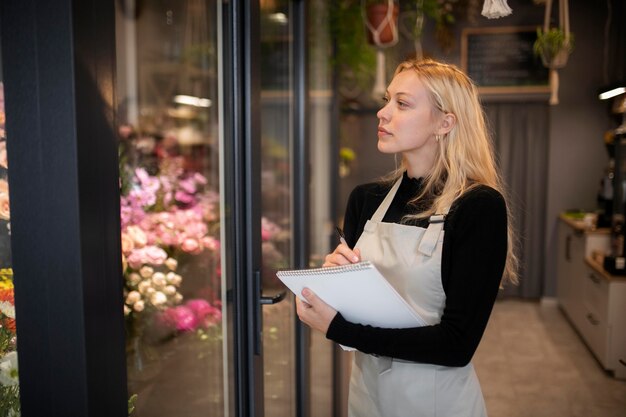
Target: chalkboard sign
[{"x": 500, "y": 60}]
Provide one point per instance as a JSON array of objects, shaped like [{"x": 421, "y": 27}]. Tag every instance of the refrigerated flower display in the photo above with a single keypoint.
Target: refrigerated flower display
[
  {"x": 9, "y": 377},
  {"x": 170, "y": 251}
]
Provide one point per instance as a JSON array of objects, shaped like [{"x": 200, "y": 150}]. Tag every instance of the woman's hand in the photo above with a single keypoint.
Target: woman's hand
[
  {"x": 314, "y": 312},
  {"x": 342, "y": 255}
]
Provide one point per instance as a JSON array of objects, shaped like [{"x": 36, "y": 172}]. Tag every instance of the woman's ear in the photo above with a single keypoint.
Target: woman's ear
[{"x": 447, "y": 123}]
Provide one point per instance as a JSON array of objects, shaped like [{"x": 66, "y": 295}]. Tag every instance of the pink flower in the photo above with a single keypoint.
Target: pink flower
[
  {"x": 155, "y": 255},
  {"x": 200, "y": 307},
  {"x": 186, "y": 320},
  {"x": 199, "y": 178},
  {"x": 211, "y": 243},
  {"x": 146, "y": 255},
  {"x": 206, "y": 314},
  {"x": 188, "y": 185},
  {"x": 183, "y": 197},
  {"x": 196, "y": 229},
  {"x": 190, "y": 245}
]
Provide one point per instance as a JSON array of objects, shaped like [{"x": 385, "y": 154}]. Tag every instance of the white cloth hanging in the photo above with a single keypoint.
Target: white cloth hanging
[{"x": 494, "y": 9}]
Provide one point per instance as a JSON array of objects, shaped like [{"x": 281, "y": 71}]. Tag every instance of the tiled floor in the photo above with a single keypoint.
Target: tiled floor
[{"x": 531, "y": 363}]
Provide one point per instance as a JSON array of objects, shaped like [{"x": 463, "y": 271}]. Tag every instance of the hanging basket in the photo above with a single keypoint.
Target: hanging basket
[
  {"x": 558, "y": 60},
  {"x": 381, "y": 21},
  {"x": 554, "y": 45},
  {"x": 382, "y": 24}
]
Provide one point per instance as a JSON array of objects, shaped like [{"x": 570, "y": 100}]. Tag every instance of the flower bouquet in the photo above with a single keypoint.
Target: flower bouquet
[{"x": 9, "y": 379}]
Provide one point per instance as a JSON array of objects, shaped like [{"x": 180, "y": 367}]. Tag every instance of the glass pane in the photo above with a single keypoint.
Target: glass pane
[
  {"x": 170, "y": 207},
  {"x": 322, "y": 232},
  {"x": 276, "y": 187},
  {"x": 9, "y": 381}
]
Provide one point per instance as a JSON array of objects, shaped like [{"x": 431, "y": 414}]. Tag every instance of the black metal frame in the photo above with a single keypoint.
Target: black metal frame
[
  {"x": 242, "y": 196},
  {"x": 300, "y": 190},
  {"x": 58, "y": 65}
]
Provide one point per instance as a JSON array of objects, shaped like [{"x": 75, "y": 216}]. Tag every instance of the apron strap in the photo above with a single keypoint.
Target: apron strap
[
  {"x": 431, "y": 235},
  {"x": 382, "y": 209}
]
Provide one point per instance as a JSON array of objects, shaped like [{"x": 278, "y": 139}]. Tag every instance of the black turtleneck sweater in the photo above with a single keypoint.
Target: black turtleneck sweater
[{"x": 473, "y": 258}]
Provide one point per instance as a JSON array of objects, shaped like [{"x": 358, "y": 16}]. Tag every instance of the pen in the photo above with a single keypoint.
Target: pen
[{"x": 342, "y": 237}]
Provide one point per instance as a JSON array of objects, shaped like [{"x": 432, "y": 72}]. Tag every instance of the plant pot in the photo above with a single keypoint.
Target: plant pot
[
  {"x": 377, "y": 21},
  {"x": 559, "y": 60}
]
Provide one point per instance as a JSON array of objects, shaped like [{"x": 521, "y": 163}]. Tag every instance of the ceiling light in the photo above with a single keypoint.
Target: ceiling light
[{"x": 612, "y": 93}]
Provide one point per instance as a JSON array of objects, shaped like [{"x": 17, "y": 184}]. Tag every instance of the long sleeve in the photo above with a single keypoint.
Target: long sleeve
[{"x": 474, "y": 254}]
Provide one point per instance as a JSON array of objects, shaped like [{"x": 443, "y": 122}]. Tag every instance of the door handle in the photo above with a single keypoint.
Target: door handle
[
  {"x": 261, "y": 300},
  {"x": 272, "y": 299}
]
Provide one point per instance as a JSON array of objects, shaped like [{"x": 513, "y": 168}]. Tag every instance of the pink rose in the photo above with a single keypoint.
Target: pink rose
[
  {"x": 146, "y": 255},
  {"x": 190, "y": 245},
  {"x": 199, "y": 178},
  {"x": 200, "y": 307},
  {"x": 185, "y": 319},
  {"x": 183, "y": 197},
  {"x": 206, "y": 314},
  {"x": 155, "y": 255},
  {"x": 210, "y": 243}
]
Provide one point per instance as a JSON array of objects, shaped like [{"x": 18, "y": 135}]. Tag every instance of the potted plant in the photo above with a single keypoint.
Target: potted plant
[{"x": 553, "y": 46}]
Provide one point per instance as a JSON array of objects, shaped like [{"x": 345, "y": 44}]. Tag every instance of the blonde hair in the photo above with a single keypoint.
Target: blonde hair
[{"x": 465, "y": 158}]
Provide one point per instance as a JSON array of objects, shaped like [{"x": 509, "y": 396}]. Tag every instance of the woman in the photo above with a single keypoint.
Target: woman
[{"x": 438, "y": 231}]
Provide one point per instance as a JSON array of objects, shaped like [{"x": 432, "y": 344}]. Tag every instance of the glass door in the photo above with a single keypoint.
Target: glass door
[
  {"x": 172, "y": 210},
  {"x": 211, "y": 206}
]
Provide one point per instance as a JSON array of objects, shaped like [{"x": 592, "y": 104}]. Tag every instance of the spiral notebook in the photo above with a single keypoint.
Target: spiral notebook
[{"x": 358, "y": 291}]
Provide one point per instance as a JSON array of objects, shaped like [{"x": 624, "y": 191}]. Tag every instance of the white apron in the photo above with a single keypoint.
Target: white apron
[{"x": 410, "y": 258}]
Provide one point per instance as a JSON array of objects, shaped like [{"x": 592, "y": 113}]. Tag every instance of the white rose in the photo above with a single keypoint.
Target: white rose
[
  {"x": 139, "y": 306},
  {"x": 178, "y": 298},
  {"x": 174, "y": 279},
  {"x": 146, "y": 271},
  {"x": 133, "y": 297},
  {"x": 134, "y": 278},
  {"x": 171, "y": 263},
  {"x": 150, "y": 291},
  {"x": 158, "y": 279},
  {"x": 144, "y": 286},
  {"x": 169, "y": 290},
  {"x": 126, "y": 310},
  {"x": 158, "y": 298},
  {"x": 137, "y": 235}
]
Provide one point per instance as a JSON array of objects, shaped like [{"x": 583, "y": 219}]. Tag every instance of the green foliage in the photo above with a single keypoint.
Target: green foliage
[
  {"x": 131, "y": 403},
  {"x": 550, "y": 43},
  {"x": 354, "y": 57},
  {"x": 9, "y": 400}
]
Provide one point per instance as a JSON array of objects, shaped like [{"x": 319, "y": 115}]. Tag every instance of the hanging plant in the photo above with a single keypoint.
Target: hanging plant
[
  {"x": 381, "y": 21},
  {"x": 355, "y": 59},
  {"x": 554, "y": 45}
]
